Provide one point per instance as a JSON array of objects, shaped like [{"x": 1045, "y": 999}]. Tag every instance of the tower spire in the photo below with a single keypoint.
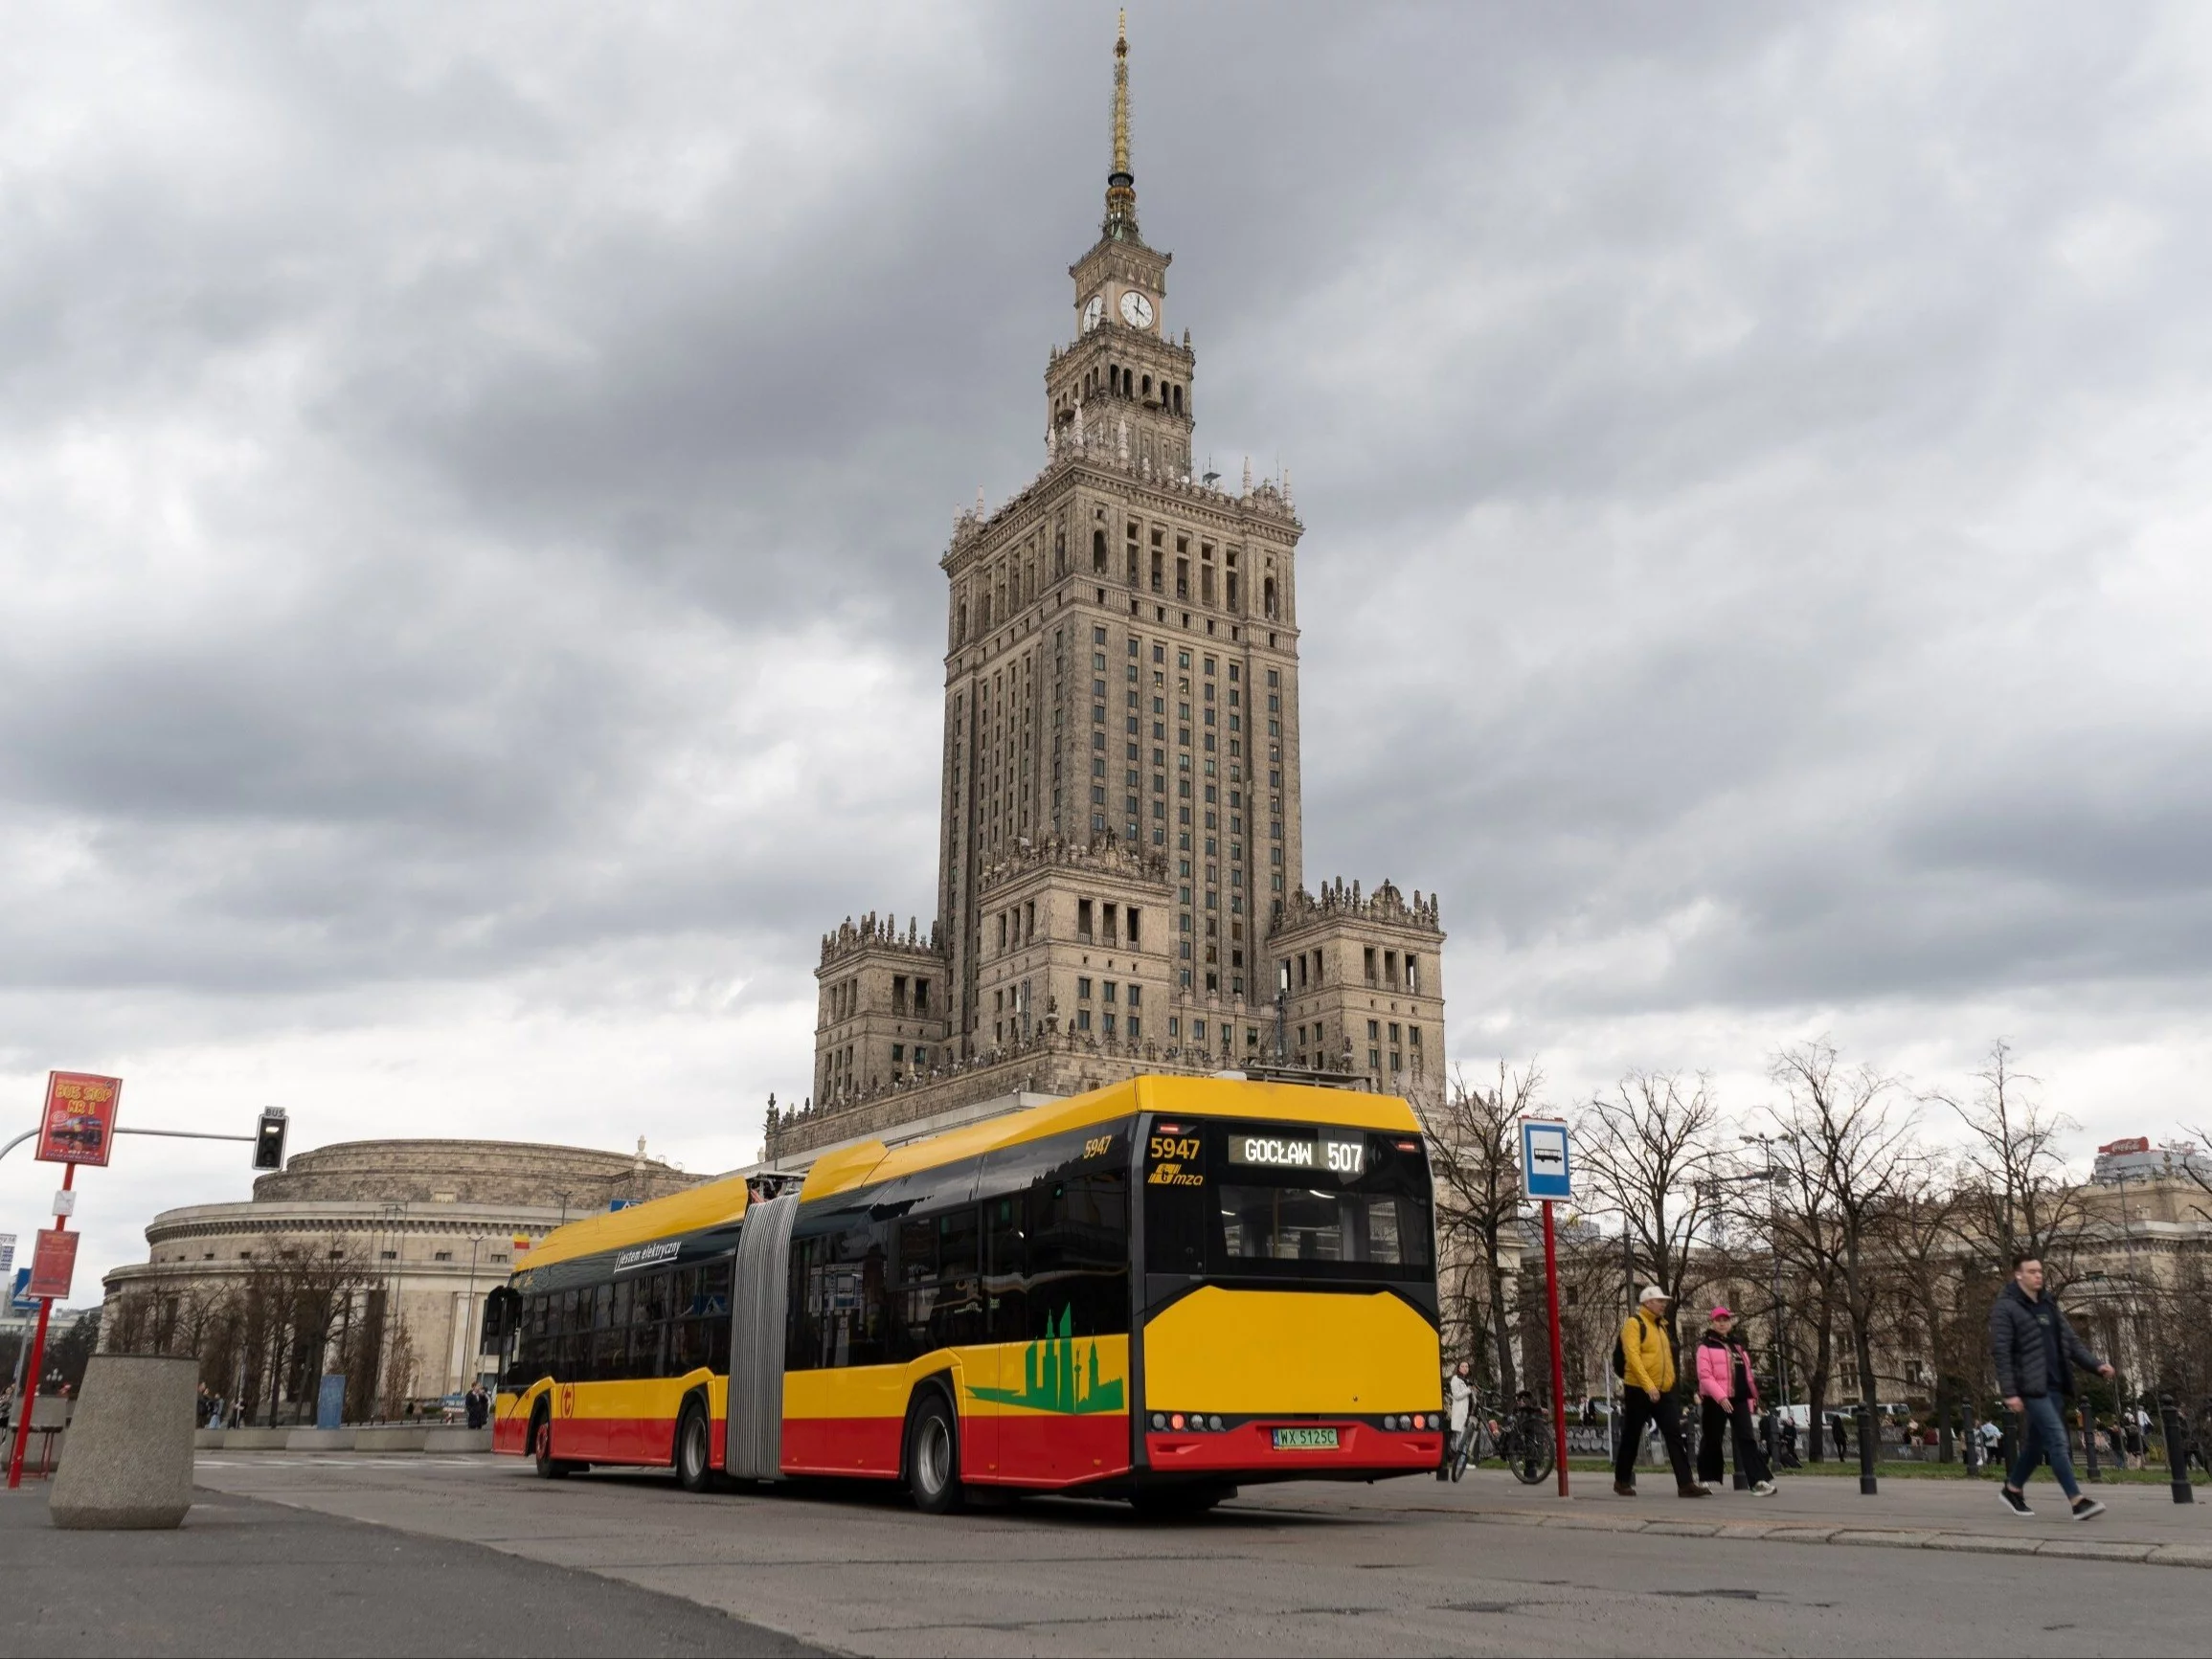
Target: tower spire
[{"x": 1121, "y": 183}]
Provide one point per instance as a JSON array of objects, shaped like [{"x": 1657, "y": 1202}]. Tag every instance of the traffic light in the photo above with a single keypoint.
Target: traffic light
[{"x": 269, "y": 1140}]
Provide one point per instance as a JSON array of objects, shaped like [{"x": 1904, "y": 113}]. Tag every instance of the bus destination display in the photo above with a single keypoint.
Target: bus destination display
[{"x": 1292, "y": 1151}]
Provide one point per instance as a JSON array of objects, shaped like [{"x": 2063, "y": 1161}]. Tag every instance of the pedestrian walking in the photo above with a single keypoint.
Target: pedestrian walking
[
  {"x": 1842, "y": 1440},
  {"x": 2131, "y": 1442},
  {"x": 1646, "y": 1361},
  {"x": 1729, "y": 1396},
  {"x": 478, "y": 1405},
  {"x": 214, "y": 1417},
  {"x": 2035, "y": 1351},
  {"x": 1458, "y": 1402}
]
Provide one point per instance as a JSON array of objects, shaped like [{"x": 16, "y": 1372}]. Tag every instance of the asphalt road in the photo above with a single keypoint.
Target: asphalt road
[
  {"x": 249, "y": 1578},
  {"x": 1292, "y": 1570}
]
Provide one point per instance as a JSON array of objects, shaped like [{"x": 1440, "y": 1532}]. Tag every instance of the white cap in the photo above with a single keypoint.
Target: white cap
[{"x": 1653, "y": 1293}]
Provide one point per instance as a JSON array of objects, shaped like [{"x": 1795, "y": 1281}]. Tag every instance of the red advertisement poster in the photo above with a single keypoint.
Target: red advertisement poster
[
  {"x": 79, "y": 1120},
  {"x": 52, "y": 1265}
]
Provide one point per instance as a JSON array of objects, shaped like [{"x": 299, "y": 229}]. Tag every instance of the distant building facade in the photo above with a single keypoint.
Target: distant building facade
[
  {"x": 2136, "y": 1159},
  {"x": 1121, "y": 878},
  {"x": 410, "y": 1234}
]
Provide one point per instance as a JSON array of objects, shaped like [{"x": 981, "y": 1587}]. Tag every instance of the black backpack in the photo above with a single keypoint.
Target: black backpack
[{"x": 1620, "y": 1353}]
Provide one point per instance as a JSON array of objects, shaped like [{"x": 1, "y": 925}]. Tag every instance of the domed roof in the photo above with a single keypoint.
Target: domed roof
[{"x": 482, "y": 1172}]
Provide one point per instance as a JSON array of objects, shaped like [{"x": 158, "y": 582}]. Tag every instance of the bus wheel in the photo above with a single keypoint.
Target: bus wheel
[
  {"x": 549, "y": 1467},
  {"x": 933, "y": 1457},
  {"x": 694, "y": 1448}
]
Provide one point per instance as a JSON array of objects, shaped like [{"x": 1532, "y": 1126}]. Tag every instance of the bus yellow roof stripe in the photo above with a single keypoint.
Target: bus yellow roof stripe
[
  {"x": 689, "y": 1211},
  {"x": 871, "y": 1161}
]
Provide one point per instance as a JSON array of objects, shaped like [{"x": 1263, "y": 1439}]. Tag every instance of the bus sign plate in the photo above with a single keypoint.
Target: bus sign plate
[{"x": 1305, "y": 1440}]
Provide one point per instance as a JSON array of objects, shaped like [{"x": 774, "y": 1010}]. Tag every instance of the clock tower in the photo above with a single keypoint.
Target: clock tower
[
  {"x": 1124, "y": 369},
  {"x": 1121, "y": 857}
]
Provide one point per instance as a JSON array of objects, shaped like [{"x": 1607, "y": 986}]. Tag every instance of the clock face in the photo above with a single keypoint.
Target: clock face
[
  {"x": 1135, "y": 310},
  {"x": 1094, "y": 311}
]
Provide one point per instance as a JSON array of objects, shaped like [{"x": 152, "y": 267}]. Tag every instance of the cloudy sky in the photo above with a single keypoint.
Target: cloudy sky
[{"x": 472, "y": 481}]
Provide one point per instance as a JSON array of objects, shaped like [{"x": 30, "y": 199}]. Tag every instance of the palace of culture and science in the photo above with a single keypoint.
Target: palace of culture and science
[{"x": 1120, "y": 874}]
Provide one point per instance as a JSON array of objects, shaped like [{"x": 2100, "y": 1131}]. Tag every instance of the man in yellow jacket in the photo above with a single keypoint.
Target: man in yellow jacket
[{"x": 1647, "y": 1381}]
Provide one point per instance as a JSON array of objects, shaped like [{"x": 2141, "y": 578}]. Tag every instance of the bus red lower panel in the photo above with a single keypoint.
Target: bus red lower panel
[
  {"x": 843, "y": 1445},
  {"x": 510, "y": 1435},
  {"x": 639, "y": 1440},
  {"x": 1250, "y": 1449},
  {"x": 1059, "y": 1451}
]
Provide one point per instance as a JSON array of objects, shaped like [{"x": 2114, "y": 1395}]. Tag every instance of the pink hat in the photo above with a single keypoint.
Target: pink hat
[{"x": 1720, "y": 1313}]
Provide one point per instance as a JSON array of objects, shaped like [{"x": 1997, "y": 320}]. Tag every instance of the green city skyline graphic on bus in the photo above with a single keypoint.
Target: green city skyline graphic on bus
[{"x": 1058, "y": 1374}]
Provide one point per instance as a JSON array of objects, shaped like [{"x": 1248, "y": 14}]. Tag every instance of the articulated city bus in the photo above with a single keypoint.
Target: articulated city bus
[{"x": 1159, "y": 1291}]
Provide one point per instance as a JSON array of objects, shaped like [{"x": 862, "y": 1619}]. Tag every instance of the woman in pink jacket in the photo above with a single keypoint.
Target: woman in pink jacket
[{"x": 1730, "y": 1395}]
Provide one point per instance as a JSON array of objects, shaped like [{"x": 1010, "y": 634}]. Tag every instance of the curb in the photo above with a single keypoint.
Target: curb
[{"x": 2130, "y": 1551}]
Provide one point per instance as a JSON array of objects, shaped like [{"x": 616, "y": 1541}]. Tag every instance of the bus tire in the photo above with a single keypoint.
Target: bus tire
[
  {"x": 549, "y": 1467},
  {"x": 695, "y": 1448},
  {"x": 933, "y": 1455}
]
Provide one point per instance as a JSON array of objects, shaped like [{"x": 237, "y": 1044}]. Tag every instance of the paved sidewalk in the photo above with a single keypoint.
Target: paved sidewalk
[{"x": 2141, "y": 1523}]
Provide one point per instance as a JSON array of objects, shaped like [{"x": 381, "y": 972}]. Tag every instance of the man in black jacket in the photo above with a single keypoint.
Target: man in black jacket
[{"x": 2035, "y": 1351}]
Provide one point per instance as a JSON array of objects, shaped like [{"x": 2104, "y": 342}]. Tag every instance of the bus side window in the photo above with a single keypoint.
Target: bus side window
[
  {"x": 1078, "y": 1280},
  {"x": 1005, "y": 1270},
  {"x": 649, "y": 1335},
  {"x": 803, "y": 1333},
  {"x": 610, "y": 1336},
  {"x": 573, "y": 1335}
]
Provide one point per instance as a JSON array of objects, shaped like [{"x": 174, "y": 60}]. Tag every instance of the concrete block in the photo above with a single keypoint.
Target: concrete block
[
  {"x": 208, "y": 1438},
  {"x": 452, "y": 1439},
  {"x": 2089, "y": 1550},
  {"x": 2182, "y": 1556},
  {"x": 1788, "y": 1535},
  {"x": 1880, "y": 1537},
  {"x": 130, "y": 1456},
  {"x": 1598, "y": 1523},
  {"x": 1985, "y": 1543},
  {"x": 388, "y": 1436},
  {"x": 320, "y": 1440},
  {"x": 1682, "y": 1529},
  {"x": 256, "y": 1438}
]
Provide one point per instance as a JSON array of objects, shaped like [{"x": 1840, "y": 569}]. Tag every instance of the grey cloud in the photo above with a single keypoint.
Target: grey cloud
[{"x": 475, "y": 481}]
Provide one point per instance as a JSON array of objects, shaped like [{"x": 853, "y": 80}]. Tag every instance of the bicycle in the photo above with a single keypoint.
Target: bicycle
[{"x": 1521, "y": 1439}]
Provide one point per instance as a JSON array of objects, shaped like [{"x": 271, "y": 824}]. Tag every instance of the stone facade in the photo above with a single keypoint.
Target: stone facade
[
  {"x": 433, "y": 1223},
  {"x": 1121, "y": 733}
]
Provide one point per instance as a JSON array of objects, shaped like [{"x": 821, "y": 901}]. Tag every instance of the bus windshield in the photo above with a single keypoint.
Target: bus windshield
[{"x": 1277, "y": 1200}]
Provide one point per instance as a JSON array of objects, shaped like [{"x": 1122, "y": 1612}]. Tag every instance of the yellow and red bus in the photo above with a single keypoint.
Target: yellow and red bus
[{"x": 1159, "y": 1291}]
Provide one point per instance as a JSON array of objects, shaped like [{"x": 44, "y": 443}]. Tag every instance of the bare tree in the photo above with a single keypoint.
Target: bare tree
[
  {"x": 2025, "y": 1201},
  {"x": 1853, "y": 1150},
  {"x": 1917, "y": 1244},
  {"x": 1649, "y": 1149},
  {"x": 1475, "y": 1168}
]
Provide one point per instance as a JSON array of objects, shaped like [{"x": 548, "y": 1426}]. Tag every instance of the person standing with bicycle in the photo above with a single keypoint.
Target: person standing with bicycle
[
  {"x": 1645, "y": 1357},
  {"x": 1730, "y": 1396},
  {"x": 1458, "y": 1407}
]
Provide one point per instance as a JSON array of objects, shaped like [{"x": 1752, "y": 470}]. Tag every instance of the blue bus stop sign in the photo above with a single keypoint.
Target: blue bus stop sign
[
  {"x": 17, "y": 1301},
  {"x": 1547, "y": 1168}
]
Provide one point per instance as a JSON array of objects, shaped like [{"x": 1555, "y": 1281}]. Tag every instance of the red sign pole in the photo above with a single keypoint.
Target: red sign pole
[
  {"x": 1558, "y": 1355},
  {"x": 31, "y": 1378}
]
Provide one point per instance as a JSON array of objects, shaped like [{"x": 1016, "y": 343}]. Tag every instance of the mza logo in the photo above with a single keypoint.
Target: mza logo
[{"x": 1170, "y": 1155}]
